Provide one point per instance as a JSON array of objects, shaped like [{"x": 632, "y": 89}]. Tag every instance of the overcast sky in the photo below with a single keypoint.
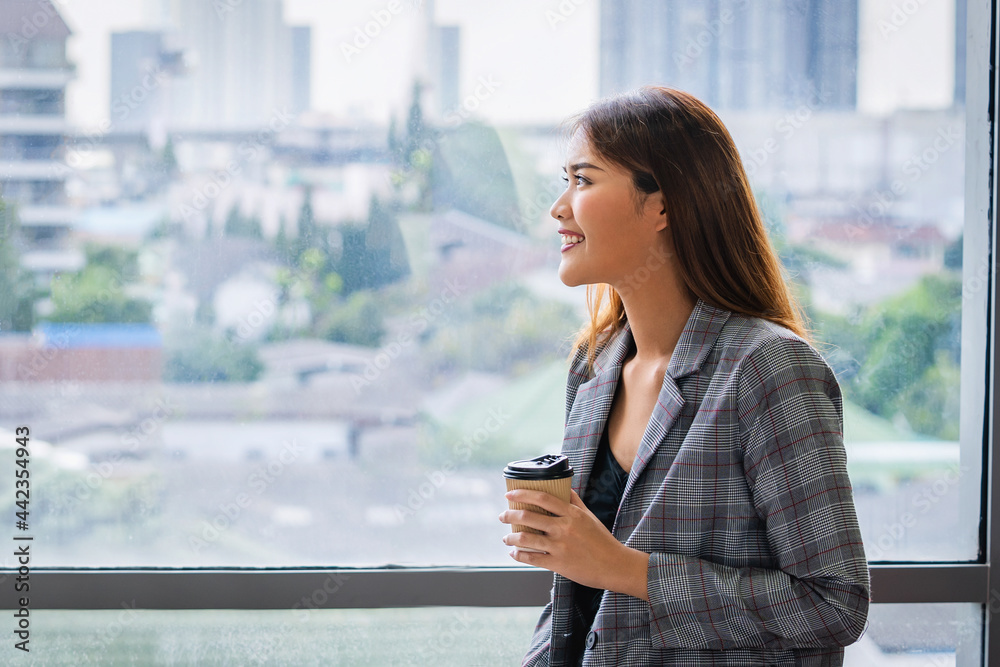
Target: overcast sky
[{"x": 545, "y": 70}]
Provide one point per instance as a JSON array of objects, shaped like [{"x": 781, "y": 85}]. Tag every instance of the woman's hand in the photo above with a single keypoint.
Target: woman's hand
[{"x": 576, "y": 544}]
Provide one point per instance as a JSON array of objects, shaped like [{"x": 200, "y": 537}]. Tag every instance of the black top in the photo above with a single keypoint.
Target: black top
[{"x": 602, "y": 497}]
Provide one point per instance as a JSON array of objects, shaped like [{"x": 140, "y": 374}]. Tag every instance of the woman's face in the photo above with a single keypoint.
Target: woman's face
[{"x": 604, "y": 239}]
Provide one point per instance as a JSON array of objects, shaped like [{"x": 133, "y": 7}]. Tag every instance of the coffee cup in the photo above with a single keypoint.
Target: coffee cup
[{"x": 550, "y": 473}]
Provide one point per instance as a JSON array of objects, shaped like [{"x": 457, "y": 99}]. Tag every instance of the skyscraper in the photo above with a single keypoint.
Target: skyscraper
[
  {"x": 241, "y": 61},
  {"x": 34, "y": 73},
  {"x": 961, "y": 45},
  {"x": 301, "y": 74},
  {"x": 445, "y": 57},
  {"x": 135, "y": 55},
  {"x": 437, "y": 61},
  {"x": 734, "y": 53}
]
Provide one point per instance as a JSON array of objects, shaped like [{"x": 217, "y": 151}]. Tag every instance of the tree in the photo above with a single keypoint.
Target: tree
[
  {"x": 906, "y": 355},
  {"x": 118, "y": 258},
  {"x": 98, "y": 292},
  {"x": 396, "y": 147},
  {"x": 168, "y": 158},
  {"x": 321, "y": 284},
  {"x": 470, "y": 172},
  {"x": 357, "y": 320},
  {"x": 233, "y": 222},
  {"x": 385, "y": 245},
  {"x": 412, "y": 154},
  {"x": 164, "y": 229},
  {"x": 282, "y": 246},
  {"x": 239, "y": 226},
  {"x": 514, "y": 330},
  {"x": 953, "y": 254},
  {"x": 254, "y": 230},
  {"x": 17, "y": 295},
  {"x": 307, "y": 231},
  {"x": 415, "y": 128},
  {"x": 204, "y": 357},
  {"x": 375, "y": 255}
]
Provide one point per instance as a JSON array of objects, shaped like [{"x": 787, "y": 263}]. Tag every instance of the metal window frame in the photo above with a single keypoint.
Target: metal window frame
[
  {"x": 991, "y": 498},
  {"x": 345, "y": 588}
]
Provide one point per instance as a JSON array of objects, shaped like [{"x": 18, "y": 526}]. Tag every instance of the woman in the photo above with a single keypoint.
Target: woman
[{"x": 717, "y": 524}]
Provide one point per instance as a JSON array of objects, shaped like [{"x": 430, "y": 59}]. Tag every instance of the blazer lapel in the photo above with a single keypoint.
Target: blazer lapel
[
  {"x": 588, "y": 404},
  {"x": 591, "y": 406},
  {"x": 696, "y": 341}
]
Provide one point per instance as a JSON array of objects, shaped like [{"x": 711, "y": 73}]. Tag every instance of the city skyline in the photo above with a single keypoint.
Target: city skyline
[
  {"x": 913, "y": 71},
  {"x": 212, "y": 69},
  {"x": 714, "y": 51},
  {"x": 341, "y": 78}
]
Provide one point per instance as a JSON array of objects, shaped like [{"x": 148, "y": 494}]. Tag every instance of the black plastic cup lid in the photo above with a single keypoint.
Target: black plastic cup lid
[{"x": 550, "y": 466}]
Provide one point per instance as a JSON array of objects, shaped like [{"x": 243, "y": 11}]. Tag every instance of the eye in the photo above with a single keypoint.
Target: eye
[{"x": 580, "y": 180}]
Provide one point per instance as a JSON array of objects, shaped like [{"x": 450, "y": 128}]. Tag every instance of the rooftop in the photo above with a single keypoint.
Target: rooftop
[{"x": 29, "y": 18}]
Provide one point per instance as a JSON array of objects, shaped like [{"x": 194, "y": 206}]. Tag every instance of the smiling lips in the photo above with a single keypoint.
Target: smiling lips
[{"x": 570, "y": 239}]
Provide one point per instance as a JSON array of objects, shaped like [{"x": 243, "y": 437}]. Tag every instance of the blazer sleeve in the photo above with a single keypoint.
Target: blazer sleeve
[{"x": 790, "y": 418}]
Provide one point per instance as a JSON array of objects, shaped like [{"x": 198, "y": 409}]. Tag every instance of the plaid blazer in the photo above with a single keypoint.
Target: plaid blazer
[{"x": 739, "y": 492}]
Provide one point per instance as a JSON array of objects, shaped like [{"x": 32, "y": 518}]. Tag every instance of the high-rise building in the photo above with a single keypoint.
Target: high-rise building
[
  {"x": 34, "y": 74},
  {"x": 961, "y": 46},
  {"x": 137, "y": 55},
  {"x": 301, "y": 74},
  {"x": 445, "y": 58},
  {"x": 437, "y": 62},
  {"x": 734, "y": 54},
  {"x": 242, "y": 63}
]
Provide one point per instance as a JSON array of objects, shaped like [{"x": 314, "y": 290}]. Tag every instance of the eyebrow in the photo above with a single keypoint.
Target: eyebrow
[{"x": 583, "y": 165}]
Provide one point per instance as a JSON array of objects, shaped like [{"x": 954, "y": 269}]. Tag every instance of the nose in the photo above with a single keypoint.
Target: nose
[{"x": 560, "y": 208}]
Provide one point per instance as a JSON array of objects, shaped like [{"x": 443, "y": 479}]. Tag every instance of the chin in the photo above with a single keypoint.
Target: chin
[{"x": 568, "y": 279}]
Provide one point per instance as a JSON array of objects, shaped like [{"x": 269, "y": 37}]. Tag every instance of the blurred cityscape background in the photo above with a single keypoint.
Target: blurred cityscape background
[{"x": 278, "y": 281}]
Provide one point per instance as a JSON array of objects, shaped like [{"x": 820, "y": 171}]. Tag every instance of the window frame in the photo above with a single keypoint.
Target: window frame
[
  {"x": 371, "y": 588},
  {"x": 892, "y": 582}
]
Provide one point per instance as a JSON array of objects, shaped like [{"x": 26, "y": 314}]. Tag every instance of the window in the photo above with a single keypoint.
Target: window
[{"x": 285, "y": 297}]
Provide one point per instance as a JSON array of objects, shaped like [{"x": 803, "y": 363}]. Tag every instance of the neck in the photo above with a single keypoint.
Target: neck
[{"x": 657, "y": 312}]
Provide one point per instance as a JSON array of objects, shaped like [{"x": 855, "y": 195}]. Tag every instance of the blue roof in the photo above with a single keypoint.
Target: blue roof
[{"x": 72, "y": 335}]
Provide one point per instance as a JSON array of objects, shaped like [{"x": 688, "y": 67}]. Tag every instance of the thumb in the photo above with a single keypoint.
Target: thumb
[{"x": 575, "y": 499}]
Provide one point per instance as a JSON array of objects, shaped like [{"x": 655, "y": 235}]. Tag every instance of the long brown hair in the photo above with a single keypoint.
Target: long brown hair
[{"x": 673, "y": 143}]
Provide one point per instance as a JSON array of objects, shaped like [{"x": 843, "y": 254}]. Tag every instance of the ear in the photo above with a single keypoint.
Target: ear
[{"x": 661, "y": 223}]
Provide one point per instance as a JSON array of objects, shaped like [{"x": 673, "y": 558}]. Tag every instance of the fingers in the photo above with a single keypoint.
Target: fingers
[
  {"x": 529, "y": 557},
  {"x": 546, "y": 501},
  {"x": 528, "y": 541},
  {"x": 542, "y": 522}
]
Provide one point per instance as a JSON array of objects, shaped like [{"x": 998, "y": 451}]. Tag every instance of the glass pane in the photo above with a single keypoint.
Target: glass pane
[
  {"x": 297, "y": 304},
  {"x": 427, "y": 636},
  {"x": 920, "y": 634},
  {"x": 898, "y": 636}
]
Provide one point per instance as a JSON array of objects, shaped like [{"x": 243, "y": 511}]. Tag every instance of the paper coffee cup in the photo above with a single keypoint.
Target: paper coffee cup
[{"x": 550, "y": 473}]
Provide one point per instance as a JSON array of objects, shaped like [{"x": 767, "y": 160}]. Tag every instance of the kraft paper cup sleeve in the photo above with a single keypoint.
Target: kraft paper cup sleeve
[{"x": 560, "y": 488}]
